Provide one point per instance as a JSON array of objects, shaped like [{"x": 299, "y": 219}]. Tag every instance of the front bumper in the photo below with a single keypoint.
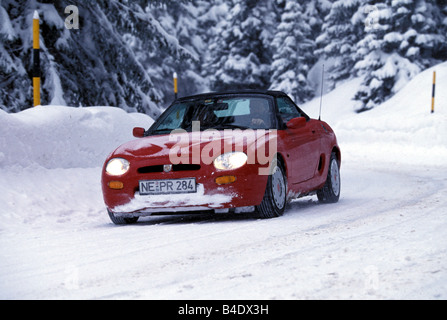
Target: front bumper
[{"x": 240, "y": 196}]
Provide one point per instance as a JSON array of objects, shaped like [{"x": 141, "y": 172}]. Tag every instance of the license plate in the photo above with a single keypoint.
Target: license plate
[{"x": 174, "y": 186}]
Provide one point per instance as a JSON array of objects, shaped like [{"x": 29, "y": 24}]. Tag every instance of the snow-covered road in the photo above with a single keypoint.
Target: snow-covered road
[{"x": 385, "y": 239}]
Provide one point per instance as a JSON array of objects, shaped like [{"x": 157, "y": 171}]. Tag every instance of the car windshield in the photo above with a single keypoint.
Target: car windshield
[{"x": 217, "y": 113}]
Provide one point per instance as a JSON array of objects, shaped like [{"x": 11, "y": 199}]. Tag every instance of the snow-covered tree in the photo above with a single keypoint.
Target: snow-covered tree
[
  {"x": 339, "y": 38},
  {"x": 401, "y": 40},
  {"x": 15, "y": 84},
  {"x": 443, "y": 8},
  {"x": 180, "y": 20},
  {"x": 293, "y": 53},
  {"x": 92, "y": 65},
  {"x": 125, "y": 52},
  {"x": 240, "y": 52},
  {"x": 211, "y": 18}
]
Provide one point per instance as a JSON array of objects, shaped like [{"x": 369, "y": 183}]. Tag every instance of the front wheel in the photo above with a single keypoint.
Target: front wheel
[
  {"x": 330, "y": 193},
  {"x": 274, "y": 202}
]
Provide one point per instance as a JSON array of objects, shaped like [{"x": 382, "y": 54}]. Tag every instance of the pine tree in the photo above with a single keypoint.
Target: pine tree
[
  {"x": 402, "y": 41},
  {"x": 339, "y": 37},
  {"x": 181, "y": 20},
  {"x": 94, "y": 65},
  {"x": 212, "y": 17},
  {"x": 240, "y": 53},
  {"x": 293, "y": 56},
  {"x": 125, "y": 52},
  {"x": 15, "y": 84},
  {"x": 442, "y": 4}
]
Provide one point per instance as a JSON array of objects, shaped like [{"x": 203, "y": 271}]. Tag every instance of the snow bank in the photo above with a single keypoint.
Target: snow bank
[
  {"x": 400, "y": 131},
  {"x": 64, "y": 137}
]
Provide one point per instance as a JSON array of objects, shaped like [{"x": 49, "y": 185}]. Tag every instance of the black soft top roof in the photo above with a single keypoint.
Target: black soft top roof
[{"x": 229, "y": 93}]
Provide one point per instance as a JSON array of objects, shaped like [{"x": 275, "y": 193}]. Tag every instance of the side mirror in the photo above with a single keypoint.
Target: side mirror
[
  {"x": 296, "y": 123},
  {"x": 138, "y": 132}
]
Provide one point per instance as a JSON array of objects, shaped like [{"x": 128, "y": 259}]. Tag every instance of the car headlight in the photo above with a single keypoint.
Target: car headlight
[
  {"x": 230, "y": 161},
  {"x": 117, "y": 167}
]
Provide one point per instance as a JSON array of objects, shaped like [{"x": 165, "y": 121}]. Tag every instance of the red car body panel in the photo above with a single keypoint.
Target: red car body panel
[
  {"x": 247, "y": 190},
  {"x": 305, "y": 152}
]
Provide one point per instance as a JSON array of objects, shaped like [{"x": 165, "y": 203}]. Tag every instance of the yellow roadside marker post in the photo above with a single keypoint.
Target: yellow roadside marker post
[
  {"x": 433, "y": 93},
  {"x": 36, "y": 59},
  {"x": 175, "y": 85}
]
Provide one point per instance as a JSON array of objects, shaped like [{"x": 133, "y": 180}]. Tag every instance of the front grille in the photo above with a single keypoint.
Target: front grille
[
  {"x": 175, "y": 168},
  {"x": 150, "y": 169}
]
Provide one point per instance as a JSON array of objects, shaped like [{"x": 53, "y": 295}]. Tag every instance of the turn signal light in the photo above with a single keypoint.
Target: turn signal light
[
  {"x": 225, "y": 180},
  {"x": 116, "y": 185}
]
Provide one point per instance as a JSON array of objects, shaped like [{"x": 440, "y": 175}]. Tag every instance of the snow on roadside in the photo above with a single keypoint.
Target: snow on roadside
[
  {"x": 34, "y": 197},
  {"x": 51, "y": 159},
  {"x": 65, "y": 137},
  {"x": 400, "y": 131}
]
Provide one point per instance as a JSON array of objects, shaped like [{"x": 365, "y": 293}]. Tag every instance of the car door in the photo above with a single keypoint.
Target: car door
[{"x": 302, "y": 144}]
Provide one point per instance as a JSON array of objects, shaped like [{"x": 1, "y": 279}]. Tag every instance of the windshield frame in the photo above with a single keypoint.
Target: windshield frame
[{"x": 153, "y": 130}]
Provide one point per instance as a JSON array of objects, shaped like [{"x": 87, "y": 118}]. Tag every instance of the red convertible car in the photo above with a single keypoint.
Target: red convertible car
[{"x": 229, "y": 152}]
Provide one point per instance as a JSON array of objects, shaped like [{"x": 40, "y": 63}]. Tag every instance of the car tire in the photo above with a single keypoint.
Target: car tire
[
  {"x": 120, "y": 220},
  {"x": 330, "y": 193},
  {"x": 274, "y": 202}
]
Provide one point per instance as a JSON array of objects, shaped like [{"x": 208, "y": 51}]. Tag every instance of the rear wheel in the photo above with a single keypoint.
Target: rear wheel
[
  {"x": 121, "y": 220},
  {"x": 330, "y": 193},
  {"x": 274, "y": 202}
]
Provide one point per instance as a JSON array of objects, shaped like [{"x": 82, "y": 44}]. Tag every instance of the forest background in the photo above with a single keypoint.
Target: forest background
[{"x": 124, "y": 53}]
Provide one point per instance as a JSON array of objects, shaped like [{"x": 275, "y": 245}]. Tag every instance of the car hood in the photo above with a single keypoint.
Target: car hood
[{"x": 220, "y": 141}]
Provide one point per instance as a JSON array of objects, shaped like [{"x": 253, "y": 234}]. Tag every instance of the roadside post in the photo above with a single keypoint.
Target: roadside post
[
  {"x": 36, "y": 59},
  {"x": 175, "y": 85},
  {"x": 433, "y": 93}
]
